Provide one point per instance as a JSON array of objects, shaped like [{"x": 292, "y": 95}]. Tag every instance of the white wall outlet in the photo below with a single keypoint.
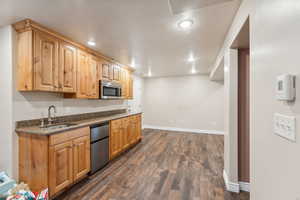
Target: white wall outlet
[{"x": 285, "y": 126}]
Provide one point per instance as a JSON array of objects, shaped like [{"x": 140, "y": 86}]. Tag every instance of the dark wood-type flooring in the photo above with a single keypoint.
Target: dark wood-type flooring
[{"x": 164, "y": 166}]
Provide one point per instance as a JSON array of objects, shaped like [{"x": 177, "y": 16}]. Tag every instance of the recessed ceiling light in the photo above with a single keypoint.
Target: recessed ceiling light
[
  {"x": 193, "y": 71},
  {"x": 91, "y": 43},
  {"x": 185, "y": 24},
  {"x": 191, "y": 59},
  {"x": 133, "y": 63},
  {"x": 149, "y": 73}
]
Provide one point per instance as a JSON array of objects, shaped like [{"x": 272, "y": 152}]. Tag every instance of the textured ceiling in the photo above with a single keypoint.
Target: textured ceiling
[{"x": 142, "y": 33}]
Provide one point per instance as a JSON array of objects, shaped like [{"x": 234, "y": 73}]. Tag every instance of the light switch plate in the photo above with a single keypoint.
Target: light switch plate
[{"x": 285, "y": 126}]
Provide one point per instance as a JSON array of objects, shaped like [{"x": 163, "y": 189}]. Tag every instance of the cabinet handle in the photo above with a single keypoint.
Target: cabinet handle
[{"x": 36, "y": 60}]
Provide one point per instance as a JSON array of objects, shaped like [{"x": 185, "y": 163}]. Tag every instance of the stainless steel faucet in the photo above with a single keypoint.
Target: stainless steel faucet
[{"x": 50, "y": 119}]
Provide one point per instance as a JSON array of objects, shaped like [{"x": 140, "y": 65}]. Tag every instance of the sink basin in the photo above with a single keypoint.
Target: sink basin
[{"x": 57, "y": 126}]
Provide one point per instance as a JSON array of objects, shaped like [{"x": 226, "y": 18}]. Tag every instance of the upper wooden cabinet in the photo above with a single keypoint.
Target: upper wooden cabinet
[
  {"x": 67, "y": 67},
  {"x": 124, "y": 83},
  {"x": 87, "y": 76},
  {"x": 93, "y": 82},
  {"x": 126, "y": 80},
  {"x": 116, "y": 73},
  {"x": 48, "y": 61},
  {"x": 111, "y": 72},
  {"x": 106, "y": 71},
  {"x": 82, "y": 75},
  {"x": 130, "y": 86},
  {"x": 45, "y": 62}
]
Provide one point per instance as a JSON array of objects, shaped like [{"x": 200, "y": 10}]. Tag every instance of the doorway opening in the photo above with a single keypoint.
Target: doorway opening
[{"x": 242, "y": 45}]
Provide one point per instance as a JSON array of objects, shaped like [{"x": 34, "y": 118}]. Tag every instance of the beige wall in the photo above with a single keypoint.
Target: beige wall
[
  {"x": 31, "y": 105},
  {"x": 274, "y": 39},
  {"x": 6, "y": 134},
  {"x": 17, "y": 106},
  {"x": 231, "y": 115},
  {"x": 187, "y": 103}
]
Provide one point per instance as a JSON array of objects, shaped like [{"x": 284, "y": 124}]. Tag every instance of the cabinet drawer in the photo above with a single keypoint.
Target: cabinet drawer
[
  {"x": 133, "y": 118},
  {"x": 68, "y": 135},
  {"x": 116, "y": 123}
]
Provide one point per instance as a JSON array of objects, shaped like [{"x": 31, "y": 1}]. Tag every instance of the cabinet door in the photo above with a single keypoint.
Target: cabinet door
[
  {"x": 126, "y": 133},
  {"x": 111, "y": 71},
  {"x": 93, "y": 83},
  {"x": 130, "y": 86},
  {"x": 116, "y": 73},
  {"x": 67, "y": 68},
  {"x": 61, "y": 167},
  {"x": 106, "y": 71},
  {"x": 132, "y": 130},
  {"x": 81, "y": 157},
  {"x": 99, "y": 72},
  {"x": 124, "y": 83},
  {"x": 138, "y": 127},
  {"x": 116, "y": 138},
  {"x": 82, "y": 74},
  {"x": 112, "y": 139},
  {"x": 45, "y": 62}
]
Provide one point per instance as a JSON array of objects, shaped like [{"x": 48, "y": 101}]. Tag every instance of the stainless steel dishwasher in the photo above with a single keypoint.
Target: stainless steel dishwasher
[{"x": 99, "y": 146}]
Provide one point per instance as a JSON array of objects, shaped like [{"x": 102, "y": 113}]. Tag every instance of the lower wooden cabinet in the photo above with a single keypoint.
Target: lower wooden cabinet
[
  {"x": 124, "y": 133},
  {"x": 69, "y": 161},
  {"x": 115, "y": 138},
  {"x": 60, "y": 166},
  {"x": 136, "y": 128},
  {"x": 56, "y": 161},
  {"x": 81, "y": 157}
]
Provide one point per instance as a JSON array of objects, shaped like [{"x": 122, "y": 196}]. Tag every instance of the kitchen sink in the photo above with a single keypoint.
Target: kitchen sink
[{"x": 57, "y": 126}]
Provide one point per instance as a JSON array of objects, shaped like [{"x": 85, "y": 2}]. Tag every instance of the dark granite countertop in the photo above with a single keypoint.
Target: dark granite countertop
[{"x": 76, "y": 123}]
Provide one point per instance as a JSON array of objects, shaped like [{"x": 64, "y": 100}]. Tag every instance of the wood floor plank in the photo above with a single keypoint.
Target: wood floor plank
[{"x": 165, "y": 165}]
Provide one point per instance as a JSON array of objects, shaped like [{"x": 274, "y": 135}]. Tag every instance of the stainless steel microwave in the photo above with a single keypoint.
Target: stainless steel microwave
[{"x": 110, "y": 90}]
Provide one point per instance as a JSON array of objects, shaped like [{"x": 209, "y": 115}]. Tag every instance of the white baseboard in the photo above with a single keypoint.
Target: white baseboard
[
  {"x": 230, "y": 186},
  {"x": 244, "y": 186},
  {"x": 184, "y": 130}
]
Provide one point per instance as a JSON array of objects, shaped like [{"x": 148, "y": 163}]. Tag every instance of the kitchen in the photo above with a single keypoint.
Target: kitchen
[
  {"x": 73, "y": 146},
  {"x": 85, "y": 115},
  {"x": 160, "y": 99},
  {"x": 99, "y": 135},
  {"x": 80, "y": 118}
]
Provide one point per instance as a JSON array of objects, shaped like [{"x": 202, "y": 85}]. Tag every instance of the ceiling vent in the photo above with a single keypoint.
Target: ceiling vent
[{"x": 181, "y": 6}]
